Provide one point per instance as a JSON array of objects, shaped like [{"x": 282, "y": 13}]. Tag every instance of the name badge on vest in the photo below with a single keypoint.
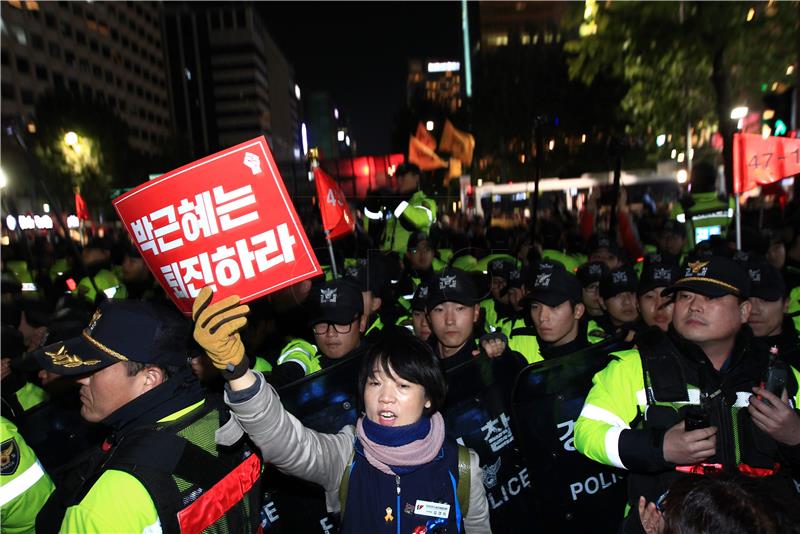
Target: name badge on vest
[{"x": 432, "y": 509}]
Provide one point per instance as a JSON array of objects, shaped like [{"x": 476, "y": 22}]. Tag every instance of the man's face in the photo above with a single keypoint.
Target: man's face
[
  {"x": 408, "y": 182},
  {"x": 498, "y": 285},
  {"x": 420, "y": 323},
  {"x": 604, "y": 255},
  {"x": 766, "y": 317},
  {"x": 556, "y": 324},
  {"x": 134, "y": 270},
  {"x": 452, "y": 322},
  {"x": 704, "y": 320},
  {"x": 776, "y": 255},
  {"x": 591, "y": 299},
  {"x": 334, "y": 344},
  {"x": 420, "y": 257},
  {"x": 515, "y": 296},
  {"x": 655, "y": 309},
  {"x": 622, "y": 308},
  {"x": 105, "y": 391},
  {"x": 672, "y": 243}
]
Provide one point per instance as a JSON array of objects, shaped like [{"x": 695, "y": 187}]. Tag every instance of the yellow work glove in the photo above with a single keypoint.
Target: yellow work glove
[{"x": 216, "y": 329}]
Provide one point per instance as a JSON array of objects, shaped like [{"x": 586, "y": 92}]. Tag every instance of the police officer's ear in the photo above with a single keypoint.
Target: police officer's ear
[
  {"x": 153, "y": 376},
  {"x": 578, "y": 310},
  {"x": 376, "y": 305},
  {"x": 362, "y": 323},
  {"x": 745, "y": 307}
]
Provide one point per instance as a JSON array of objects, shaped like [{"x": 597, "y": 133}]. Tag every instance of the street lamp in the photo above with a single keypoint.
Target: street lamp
[
  {"x": 429, "y": 126},
  {"x": 739, "y": 112},
  {"x": 71, "y": 139}
]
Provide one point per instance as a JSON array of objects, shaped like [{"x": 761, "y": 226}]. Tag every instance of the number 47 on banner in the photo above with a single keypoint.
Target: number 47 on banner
[{"x": 758, "y": 161}]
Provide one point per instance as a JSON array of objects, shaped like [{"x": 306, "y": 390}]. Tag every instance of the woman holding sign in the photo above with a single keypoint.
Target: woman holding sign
[{"x": 394, "y": 471}]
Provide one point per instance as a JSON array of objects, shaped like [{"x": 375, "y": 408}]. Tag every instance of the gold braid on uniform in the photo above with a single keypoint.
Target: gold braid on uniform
[
  {"x": 102, "y": 347},
  {"x": 709, "y": 280}
]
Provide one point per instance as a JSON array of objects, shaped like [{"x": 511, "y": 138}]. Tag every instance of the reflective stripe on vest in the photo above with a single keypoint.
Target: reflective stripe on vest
[
  {"x": 14, "y": 488},
  {"x": 213, "y": 504}
]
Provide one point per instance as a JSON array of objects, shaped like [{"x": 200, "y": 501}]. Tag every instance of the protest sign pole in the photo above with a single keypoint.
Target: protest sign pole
[
  {"x": 737, "y": 196},
  {"x": 330, "y": 251}
]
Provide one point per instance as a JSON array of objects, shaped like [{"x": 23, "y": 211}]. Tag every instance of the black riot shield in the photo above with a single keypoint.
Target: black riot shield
[
  {"x": 325, "y": 401},
  {"x": 477, "y": 412},
  {"x": 571, "y": 492}
]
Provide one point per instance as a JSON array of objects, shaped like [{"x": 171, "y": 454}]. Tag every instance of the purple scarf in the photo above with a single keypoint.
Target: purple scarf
[{"x": 415, "y": 453}]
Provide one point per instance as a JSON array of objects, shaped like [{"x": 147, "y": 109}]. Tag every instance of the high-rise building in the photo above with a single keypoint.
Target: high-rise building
[
  {"x": 110, "y": 51},
  {"x": 229, "y": 81},
  {"x": 528, "y": 23},
  {"x": 435, "y": 81}
]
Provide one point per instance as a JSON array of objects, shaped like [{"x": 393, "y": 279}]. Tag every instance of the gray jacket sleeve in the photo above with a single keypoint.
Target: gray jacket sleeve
[
  {"x": 477, "y": 520},
  {"x": 287, "y": 444}
]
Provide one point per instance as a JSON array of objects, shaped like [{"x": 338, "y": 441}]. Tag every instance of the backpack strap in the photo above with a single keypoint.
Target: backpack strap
[
  {"x": 344, "y": 486},
  {"x": 464, "y": 480}
]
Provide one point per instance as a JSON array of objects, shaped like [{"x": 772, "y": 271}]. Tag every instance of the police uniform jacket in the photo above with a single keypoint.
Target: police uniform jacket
[{"x": 644, "y": 392}]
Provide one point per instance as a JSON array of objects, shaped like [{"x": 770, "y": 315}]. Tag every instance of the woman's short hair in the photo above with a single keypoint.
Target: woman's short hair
[
  {"x": 730, "y": 503},
  {"x": 399, "y": 353}
]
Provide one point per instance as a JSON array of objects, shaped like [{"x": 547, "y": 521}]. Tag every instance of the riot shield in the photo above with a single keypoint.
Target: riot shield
[
  {"x": 477, "y": 413},
  {"x": 325, "y": 401},
  {"x": 571, "y": 492}
]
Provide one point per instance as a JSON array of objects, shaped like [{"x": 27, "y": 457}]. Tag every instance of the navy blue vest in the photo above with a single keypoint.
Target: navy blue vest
[{"x": 374, "y": 505}]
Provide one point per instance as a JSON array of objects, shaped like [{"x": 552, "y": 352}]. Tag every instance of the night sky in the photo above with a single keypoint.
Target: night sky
[{"x": 359, "y": 52}]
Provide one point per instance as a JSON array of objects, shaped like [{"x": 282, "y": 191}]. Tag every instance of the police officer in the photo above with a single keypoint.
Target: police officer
[
  {"x": 24, "y": 485},
  {"x": 771, "y": 326},
  {"x": 556, "y": 311},
  {"x": 656, "y": 309},
  {"x": 618, "y": 300},
  {"x": 453, "y": 311},
  {"x": 419, "y": 319},
  {"x": 589, "y": 274},
  {"x": 704, "y": 212},
  {"x": 414, "y": 213},
  {"x": 337, "y": 321},
  {"x": 701, "y": 410},
  {"x": 517, "y": 291},
  {"x": 369, "y": 279},
  {"x": 602, "y": 248},
  {"x": 672, "y": 240},
  {"x": 496, "y": 307},
  {"x": 160, "y": 457}
]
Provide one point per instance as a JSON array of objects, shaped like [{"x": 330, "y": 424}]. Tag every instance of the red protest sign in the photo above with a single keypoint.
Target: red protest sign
[
  {"x": 224, "y": 221},
  {"x": 760, "y": 161}
]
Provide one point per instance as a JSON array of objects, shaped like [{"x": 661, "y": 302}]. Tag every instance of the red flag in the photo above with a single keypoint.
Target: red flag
[
  {"x": 460, "y": 144},
  {"x": 758, "y": 161},
  {"x": 336, "y": 215},
  {"x": 425, "y": 137},
  {"x": 80, "y": 208},
  {"x": 422, "y": 156}
]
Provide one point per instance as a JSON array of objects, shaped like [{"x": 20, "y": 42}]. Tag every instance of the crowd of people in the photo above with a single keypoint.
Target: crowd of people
[{"x": 121, "y": 415}]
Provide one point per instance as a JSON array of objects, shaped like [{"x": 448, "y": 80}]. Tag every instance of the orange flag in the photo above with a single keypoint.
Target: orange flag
[
  {"x": 758, "y": 161},
  {"x": 336, "y": 215},
  {"x": 460, "y": 144},
  {"x": 425, "y": 158},
  {"x": 425, "y": 137}
]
